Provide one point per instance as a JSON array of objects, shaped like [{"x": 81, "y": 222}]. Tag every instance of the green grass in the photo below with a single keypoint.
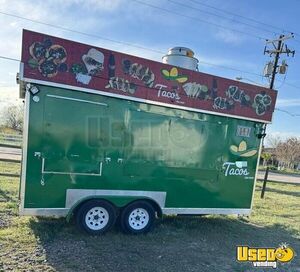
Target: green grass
[
  {"x": 10, "y": 168},
  {"x": 176, "y": 243},
  {"x": 8, "y": 130}
]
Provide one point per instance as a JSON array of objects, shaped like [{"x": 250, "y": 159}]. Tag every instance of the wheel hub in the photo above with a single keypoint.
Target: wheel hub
[
  {"x": 97, "y": 218},
  {"x": 138, "y": 219}
]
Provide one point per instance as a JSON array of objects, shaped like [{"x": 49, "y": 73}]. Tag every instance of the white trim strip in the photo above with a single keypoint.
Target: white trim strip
[
  {"x": 24, "y": 151},
  {"x": 206, "y": 211},
  {"x": 75, "y": 195},
  {"x": 62, "y": 212},
  {"x": 47, "y": 83},
  {"x": 71, "y": 173},
  {"x": 59, "y": 212},
  {"x": 256, "y": 171},
  {"x": 77, "y": 100},
  {"x": 21, "y": 72}
]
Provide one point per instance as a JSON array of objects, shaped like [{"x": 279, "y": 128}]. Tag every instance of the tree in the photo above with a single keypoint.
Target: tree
[
  {"x": 272, "y": 141},
  {"x": 288, "y": 152},
  {"x": 13, "y": 117},
  {"x": 266, "y": 157}
]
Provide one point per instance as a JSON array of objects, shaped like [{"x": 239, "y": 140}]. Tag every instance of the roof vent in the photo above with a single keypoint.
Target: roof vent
[{"x": 182, "y": 57}]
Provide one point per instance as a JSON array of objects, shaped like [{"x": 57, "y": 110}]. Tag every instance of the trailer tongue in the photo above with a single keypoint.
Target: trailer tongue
[{"x": 109, "y": 134}]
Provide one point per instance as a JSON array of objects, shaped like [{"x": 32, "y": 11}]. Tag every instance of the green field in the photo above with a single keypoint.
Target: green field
[{"x": 176, "y": 244}]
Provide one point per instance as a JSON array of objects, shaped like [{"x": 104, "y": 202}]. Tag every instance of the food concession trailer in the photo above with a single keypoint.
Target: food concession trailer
[{"x": 109, "y": 135}]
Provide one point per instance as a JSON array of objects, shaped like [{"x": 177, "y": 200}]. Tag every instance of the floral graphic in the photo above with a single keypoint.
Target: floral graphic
[
  {"x": 262, "y": 103},
  {"x": 48, "y": 58}
]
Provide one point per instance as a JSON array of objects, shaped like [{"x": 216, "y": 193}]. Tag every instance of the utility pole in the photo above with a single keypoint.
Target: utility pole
[
  {"x": 277, "y": 56},
  {"x": 280, "y": 48},
  {"x": 271, "y": 70}
]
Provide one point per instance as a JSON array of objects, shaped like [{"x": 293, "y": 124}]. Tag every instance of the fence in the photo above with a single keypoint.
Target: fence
[
  {"x": 8, "y": 140},
  {"x": 12, "y": 167},
  {"x": 10, "y": 154}
]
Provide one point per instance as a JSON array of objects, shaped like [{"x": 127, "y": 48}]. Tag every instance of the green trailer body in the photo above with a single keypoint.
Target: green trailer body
[
  {"x": 79, "y": 145},
  {"x": 107, "y": 134}
]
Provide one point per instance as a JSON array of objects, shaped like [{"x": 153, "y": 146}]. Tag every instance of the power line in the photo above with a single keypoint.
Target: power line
[
  {"x": 298, "y": 41},
  {"x": 247, "y": 18},
  {"x": 115, "y": 41},
  {"x": 140, "y": 85},
  {"x": 288, "y": 112},
  {"x": 122, "y": 42},
  {"x": 82, "y": 33},
  {"x": 231, "y": 68},
  {"x": 240, "y": 16},
  {"x": 291, "y": 85},
  {"x": 198, "y": 19},
  {"x": 134, "y": 45},
  {"x": 220, "y": 16},
  {"x": 9, "y": 58},
  {"x": 140, "y": 46},
  {"x": 204, "y": 62}
]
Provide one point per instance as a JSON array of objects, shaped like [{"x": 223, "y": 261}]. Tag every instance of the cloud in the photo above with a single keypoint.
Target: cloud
[
  {"x": 228, "y": 36},
  {"x": 9, "y": 94},
  {"x": 52, "y": 12},
  {"x": 108, "y": 5},
  {"x": 276, "y": 136}
]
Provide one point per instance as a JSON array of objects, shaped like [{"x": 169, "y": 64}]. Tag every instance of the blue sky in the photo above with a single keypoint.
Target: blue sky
[{"x": 132, "y": 22}]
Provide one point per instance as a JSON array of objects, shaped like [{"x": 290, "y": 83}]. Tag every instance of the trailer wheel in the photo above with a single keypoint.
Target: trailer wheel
[
  {"x": 137, "y": 217},
  {"x": 96, "y": 216}
]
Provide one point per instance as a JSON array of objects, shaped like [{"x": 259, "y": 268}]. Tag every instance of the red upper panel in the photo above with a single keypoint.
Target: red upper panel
[{"x": 69, "y": 63}]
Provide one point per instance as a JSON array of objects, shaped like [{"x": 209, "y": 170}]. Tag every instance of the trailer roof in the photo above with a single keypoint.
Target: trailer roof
[{"x": 62, "y": 63}]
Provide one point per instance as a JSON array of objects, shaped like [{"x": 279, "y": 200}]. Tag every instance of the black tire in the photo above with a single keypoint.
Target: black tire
[
  {"x": 138, "y": 217},
  {"x": 96, "y": 216}
]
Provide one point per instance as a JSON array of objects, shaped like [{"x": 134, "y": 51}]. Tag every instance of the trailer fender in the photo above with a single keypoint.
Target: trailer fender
[{"x": 117, "y": 201}]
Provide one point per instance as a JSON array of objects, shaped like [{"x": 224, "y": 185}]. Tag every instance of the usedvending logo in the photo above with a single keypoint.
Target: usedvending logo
[{"x": 265, "y": 256}]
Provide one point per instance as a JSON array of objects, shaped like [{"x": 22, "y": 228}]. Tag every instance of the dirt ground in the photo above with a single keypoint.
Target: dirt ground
[{"x": 176, "y": 243}]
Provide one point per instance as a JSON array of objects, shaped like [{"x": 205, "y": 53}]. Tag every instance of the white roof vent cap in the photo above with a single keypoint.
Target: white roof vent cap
[{"x": 182, "y": 57}]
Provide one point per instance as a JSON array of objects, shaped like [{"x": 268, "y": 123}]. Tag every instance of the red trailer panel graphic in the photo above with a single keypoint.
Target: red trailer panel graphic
[{"x": 67, "y": 63}]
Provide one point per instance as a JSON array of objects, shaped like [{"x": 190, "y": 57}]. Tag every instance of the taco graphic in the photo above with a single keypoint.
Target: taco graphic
[
  {"x": 173, "y": 75},
  {"x": 242, "y": 150}
]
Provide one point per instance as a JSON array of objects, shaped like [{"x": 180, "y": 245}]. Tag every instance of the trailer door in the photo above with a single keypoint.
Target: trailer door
[{"x": 69, "y": 145}]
